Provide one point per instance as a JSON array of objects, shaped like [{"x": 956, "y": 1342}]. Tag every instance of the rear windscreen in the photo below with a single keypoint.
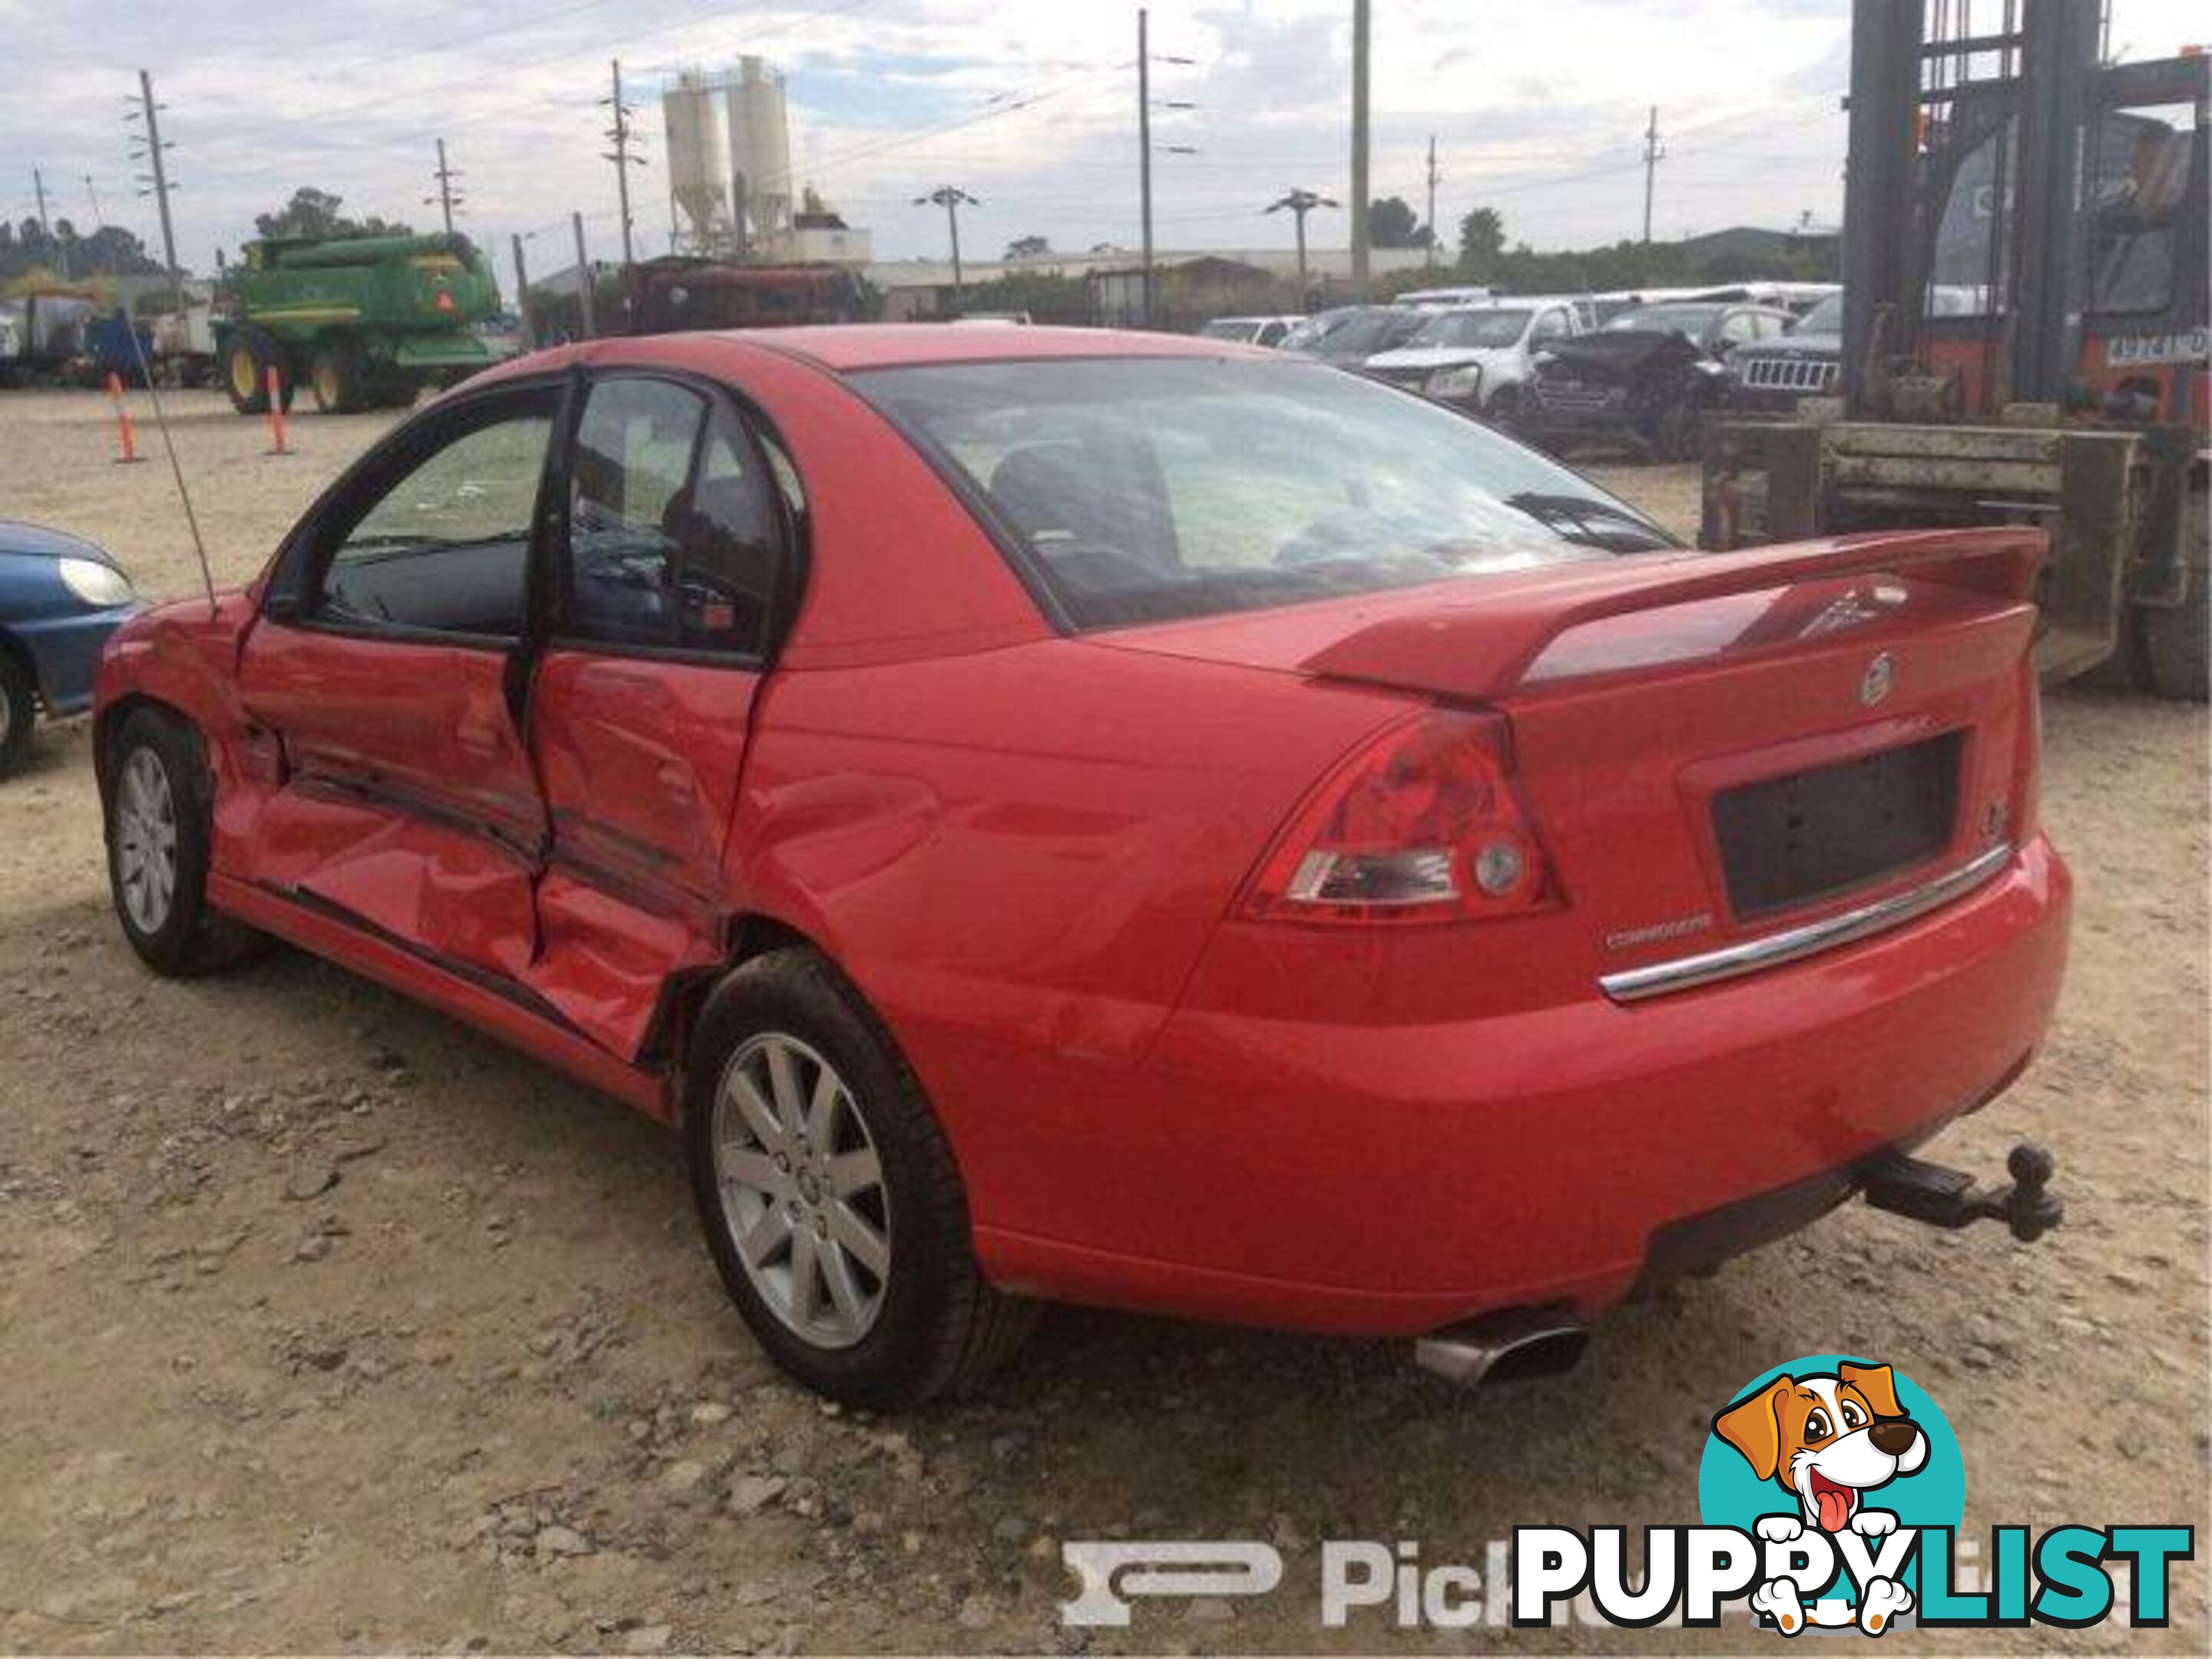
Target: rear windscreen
[{"x": 1139, "y": 489}]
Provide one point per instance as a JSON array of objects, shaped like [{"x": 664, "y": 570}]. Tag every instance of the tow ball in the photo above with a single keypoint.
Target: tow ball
[{"x": 1944, "y": 1197}]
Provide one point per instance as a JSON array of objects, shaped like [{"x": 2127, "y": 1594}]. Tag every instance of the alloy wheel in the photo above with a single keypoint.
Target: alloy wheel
[
  {"x": 146, "y": 840},
  {"x": 802, "y": 1189}
]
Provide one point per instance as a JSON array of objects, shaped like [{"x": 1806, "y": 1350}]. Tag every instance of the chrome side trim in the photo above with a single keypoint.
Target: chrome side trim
[{"x": 1634, "y": 984}]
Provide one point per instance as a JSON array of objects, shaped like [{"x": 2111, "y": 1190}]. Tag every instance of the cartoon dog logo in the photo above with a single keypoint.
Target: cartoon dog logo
[{"x": 1827, "y": 1439}]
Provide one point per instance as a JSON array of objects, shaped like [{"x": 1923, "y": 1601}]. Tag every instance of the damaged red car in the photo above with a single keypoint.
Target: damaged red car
[{"x": 1055, "y": 814}]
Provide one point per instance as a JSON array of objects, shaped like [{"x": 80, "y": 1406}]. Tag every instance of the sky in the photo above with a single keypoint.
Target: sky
[{"x": 1537, "y": 110}]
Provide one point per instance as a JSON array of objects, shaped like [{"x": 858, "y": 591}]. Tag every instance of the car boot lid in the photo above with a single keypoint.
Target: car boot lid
[{"x": 1536, "y": 627}]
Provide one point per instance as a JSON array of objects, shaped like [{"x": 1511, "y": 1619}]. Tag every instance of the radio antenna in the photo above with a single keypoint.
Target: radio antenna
[{"x": 169, "y": 444}]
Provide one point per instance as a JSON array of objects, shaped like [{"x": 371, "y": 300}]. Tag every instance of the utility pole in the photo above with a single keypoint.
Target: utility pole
[
  {"x": 522, "y": 294},
  {"x": 1653, "y": 153},
  {"x": 1359, "y": 228},
  {"x": 619, "y": 133},
  {"x": 38, "y": 185},
  {"x": 1301, "y": 203},
  {"x": 99, "y": 220},
  {"x": 149, "y": 112},
  {"x": 1145, "y": 147},
  {"x": 951, "y": 198},
  {"x": 583, "y": 274},
  {"x": 1431, "y": 260},
  {"x": 446, "y": 200}
]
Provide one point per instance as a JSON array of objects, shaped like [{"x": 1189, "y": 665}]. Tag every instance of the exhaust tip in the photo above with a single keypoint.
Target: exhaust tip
[{"x": 1503, "y": 1347}]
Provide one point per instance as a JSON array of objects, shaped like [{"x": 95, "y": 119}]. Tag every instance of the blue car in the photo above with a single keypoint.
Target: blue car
[{"x": 60, "y": 598}]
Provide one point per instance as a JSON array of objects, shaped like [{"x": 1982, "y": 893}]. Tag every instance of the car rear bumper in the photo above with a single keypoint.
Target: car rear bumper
[{"x": 1389, "y": 1181}]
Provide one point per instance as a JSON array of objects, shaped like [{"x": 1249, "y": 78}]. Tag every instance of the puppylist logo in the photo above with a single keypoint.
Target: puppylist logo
[
  {"x": 1830, "y": 1497},
  {"x": 1830, "y": 1492}
]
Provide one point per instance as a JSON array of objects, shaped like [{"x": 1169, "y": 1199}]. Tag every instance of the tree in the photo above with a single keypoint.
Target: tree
[
  {"x": 313, "y": 212},
  {"x": 1481, "y": 238},
  {"x": 1392, "y": 223},
  {"x": 111, "y": 251},
  {"x": 1027, "y": 247}
]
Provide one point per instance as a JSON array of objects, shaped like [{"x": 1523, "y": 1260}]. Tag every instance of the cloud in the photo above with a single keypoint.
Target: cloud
[{"x": 1029, "y": 104}]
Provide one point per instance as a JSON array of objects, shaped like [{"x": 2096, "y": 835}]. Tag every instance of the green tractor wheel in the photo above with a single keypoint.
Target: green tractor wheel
[
  {"x": 339, "y": 381},
  {"x": 242, "y": 376}
]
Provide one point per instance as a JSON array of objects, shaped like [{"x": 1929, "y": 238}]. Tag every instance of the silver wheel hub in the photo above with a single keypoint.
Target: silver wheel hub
[
  {"x": 802, "y": 1189},
  {"x": 146, "y": 840}
]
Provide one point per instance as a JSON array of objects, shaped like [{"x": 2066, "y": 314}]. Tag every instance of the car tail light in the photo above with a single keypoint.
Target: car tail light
[{"x": 1423, "y": 824}]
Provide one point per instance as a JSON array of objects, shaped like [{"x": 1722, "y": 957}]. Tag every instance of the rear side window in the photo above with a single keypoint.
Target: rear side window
[{"x": 674, "y": 540}]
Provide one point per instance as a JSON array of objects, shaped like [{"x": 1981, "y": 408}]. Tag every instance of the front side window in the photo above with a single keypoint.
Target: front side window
[
  {"x": 1154, "y": 488},
  {"x": 446, "y": 546},
  {"x": 673, "y": 538}
]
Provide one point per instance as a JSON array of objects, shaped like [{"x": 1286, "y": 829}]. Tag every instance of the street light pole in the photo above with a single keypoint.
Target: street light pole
[{"x": 1300, "y": 202}]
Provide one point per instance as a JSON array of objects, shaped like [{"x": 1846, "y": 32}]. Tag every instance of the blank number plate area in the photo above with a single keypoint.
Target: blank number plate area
[{"x": 1795, "y": 841}]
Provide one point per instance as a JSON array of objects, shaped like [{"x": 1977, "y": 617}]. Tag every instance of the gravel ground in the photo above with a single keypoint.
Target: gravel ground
[{"x": 330, "y": 1326}]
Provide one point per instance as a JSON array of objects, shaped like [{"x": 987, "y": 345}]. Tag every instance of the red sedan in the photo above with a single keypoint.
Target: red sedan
[{"x": 1055, "y": 814}]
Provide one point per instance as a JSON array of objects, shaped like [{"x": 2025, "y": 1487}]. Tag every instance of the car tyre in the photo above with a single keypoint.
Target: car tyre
[
  {"x": 829, "y": 1195},
  {"x": 19, "y": 712},
  {"x": 160, "y": 797}
]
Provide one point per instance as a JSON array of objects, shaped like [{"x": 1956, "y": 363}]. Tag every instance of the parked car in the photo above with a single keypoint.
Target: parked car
[
  {"x": 60, "y": 598},
  {"x": 1769, "y": 376},
  {"x": 1649, "y": 377},
  {"x": 1252, "y": 845},
  {"x": 1445, "y": 299},
  {"x": 1478, "y": 357},
  {"x": 1350, "y": 336},
  {"x": 1250, "y": 331}
]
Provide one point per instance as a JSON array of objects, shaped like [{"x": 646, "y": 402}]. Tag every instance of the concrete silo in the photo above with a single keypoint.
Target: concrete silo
[
  {"x": 698, "y": 163},
  {"x": 760, "y": 154}
]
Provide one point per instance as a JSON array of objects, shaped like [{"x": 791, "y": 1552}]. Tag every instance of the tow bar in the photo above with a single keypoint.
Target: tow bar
[{"x": 1944, "y": 1197}]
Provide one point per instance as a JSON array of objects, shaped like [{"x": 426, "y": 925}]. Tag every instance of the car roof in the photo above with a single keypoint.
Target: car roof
[{"x": 847, "y": 347}]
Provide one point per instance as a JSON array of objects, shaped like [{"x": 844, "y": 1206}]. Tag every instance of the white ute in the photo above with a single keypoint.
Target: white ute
[{"x": 1478, "y": 356}]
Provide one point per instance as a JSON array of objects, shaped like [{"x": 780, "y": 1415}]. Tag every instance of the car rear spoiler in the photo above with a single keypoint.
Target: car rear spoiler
[{"x": 1484, "y": 644}]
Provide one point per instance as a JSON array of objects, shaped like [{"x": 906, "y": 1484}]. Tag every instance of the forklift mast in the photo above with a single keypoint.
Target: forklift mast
[
  {"x": 2025, "y": 327},
  {"x": 1928, "y": 82}
]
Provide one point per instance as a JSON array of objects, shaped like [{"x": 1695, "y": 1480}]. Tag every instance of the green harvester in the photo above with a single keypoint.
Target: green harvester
[{"x": 362, "y": 320}]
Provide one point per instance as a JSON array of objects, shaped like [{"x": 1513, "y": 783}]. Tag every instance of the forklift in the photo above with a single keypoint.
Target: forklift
[{"x": 2025, "y": 292}]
